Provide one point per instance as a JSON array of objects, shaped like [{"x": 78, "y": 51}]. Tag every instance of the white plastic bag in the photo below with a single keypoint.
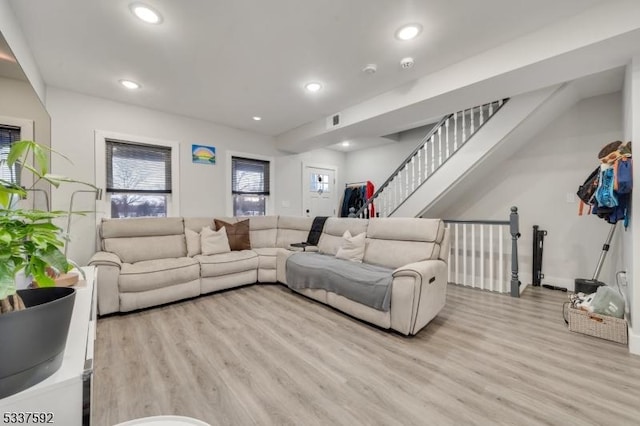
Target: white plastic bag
[{"x": 608, "y": 301}]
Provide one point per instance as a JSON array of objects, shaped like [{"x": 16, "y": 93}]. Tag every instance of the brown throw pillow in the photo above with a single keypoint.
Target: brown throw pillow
[{"x": 237, "y": 233}]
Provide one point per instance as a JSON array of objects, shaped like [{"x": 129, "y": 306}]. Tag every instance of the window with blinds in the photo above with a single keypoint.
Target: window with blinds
[
  {"x": 250, "y": 186},
  {"x": 8, "y": 135},
  {"x": 138, "y": 178}
]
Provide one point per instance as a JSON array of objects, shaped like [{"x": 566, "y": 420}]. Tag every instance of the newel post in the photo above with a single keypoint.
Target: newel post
[{"x": 514, "y": 229}]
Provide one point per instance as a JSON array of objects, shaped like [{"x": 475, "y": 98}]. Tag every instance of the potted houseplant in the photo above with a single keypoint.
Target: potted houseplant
[{"x": 33, "y": 323}]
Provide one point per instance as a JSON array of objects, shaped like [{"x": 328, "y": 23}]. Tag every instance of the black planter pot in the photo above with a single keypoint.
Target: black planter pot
[{"x": 32, "y": 341}]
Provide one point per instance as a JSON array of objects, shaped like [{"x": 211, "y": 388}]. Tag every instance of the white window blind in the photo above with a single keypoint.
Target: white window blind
[
  {"x": 249, "y": 176},
  {"x": 8, "y": 135},
  {"x": 137, "y": 168}
]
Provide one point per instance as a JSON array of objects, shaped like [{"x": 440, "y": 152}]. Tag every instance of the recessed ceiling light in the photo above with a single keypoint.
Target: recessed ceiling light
[
  {"x": 408, "y": 32},
  {"x": 370, "y": 69},
  {"x": 145, "y": 13},
  {"x": 345, "y": 143},
  {"x": 130, "y": 84},
  {"x": 256, "y": 118},
  {"x": 313, "y": 87}
]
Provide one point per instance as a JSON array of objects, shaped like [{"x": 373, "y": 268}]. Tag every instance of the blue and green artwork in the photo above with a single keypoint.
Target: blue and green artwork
[{"x": 203, "y": 154}]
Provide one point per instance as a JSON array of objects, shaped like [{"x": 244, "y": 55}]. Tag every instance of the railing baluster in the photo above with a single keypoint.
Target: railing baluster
[
  {"x": 455, "y": 132},
  {"x": 490, "y": 109},
  {"x": 464, "y": 127},
  {"x": 472, "y": 129},
  {"x": 464, "y": 252},
  {"x": 456, "y": 241},
  {"x": 482, "y": 286},
  {"x": 439, "y": 146},
  {"x": 406, "y": 183},
  {"x": 413, "y": 174},
  {"x": 481, "y": 116},
  {"x": 425, "y": 159},
  {"x": 433, "y": 152},
  {"x": 473, "y": 256},
  {"x": 500, "y": 261},
  {"x": 491, "y": 277},
  {"x": 447, "y": 140},
  {"x": 419, "y": 166}
]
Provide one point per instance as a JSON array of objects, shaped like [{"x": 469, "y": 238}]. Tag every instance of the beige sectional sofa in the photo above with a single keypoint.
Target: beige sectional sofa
[{"x": 145, "y": 262}]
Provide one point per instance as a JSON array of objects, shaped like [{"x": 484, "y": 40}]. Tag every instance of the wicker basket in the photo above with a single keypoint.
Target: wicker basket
[{"x": 604, "y": 327}]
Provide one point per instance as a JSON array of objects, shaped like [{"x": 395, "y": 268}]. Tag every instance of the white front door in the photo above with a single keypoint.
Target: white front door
[{"x": 319, "y": 191}]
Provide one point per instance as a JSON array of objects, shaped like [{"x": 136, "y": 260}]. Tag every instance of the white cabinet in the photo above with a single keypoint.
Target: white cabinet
[{"x": 64, "y": 398}]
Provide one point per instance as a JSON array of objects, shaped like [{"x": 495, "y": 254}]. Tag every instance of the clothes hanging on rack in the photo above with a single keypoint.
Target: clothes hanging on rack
[
  {"x": 370, "y": 192},
  {"x": 356, "y": 195}
]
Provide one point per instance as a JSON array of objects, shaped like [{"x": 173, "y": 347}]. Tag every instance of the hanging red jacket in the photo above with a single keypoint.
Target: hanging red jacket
[{"x": 370, "y": 192}]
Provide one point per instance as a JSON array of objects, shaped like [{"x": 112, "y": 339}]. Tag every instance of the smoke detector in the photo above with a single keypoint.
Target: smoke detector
[
  {"x": 406, "y": 63},
  {"x": 370, "y": 69}
]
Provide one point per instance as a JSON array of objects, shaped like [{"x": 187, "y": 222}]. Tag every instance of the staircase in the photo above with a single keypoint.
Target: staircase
[
  {"x": 441, "y": 143},
  {"x": 458, "y": 144}
]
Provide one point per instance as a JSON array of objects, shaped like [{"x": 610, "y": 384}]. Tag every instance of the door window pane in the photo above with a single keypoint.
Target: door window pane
[{"x": 319, "y": 183}]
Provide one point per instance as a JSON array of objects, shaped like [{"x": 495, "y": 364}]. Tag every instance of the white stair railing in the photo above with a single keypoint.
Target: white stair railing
[
  {"x": 440, "y": 144},
  {"x": 481, "y": 256}
]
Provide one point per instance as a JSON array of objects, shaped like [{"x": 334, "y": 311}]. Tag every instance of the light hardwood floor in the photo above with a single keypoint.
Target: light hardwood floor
[{"x": 264, "y": 355}]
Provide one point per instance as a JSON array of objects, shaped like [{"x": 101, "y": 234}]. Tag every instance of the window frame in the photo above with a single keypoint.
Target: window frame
[
  {"x": 26, "y": 134},
  {"x": 269, "y": 199},
  {"x": 103, "y": 207}
]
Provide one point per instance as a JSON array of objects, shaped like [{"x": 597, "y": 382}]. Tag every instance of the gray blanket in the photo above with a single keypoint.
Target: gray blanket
[{"x": 360, "y": 282}]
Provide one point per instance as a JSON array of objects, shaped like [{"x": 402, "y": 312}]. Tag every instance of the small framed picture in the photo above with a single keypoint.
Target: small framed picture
[{"x": 203, "y": 154}]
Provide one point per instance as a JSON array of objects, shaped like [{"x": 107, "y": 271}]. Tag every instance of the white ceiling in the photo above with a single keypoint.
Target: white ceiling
[{"x": 228, "y": 60}]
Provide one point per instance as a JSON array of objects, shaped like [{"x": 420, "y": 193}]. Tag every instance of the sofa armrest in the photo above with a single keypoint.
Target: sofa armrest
[
  {"x": 104, "y": 258},
  {"x": 108, "y": 274},
  {"x": 421, "y": 286},
  {"x": 424, "y": 271}
]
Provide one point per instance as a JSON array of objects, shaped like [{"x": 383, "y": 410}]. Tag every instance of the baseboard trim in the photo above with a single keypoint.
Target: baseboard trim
[{"x": 634, "y": 342}]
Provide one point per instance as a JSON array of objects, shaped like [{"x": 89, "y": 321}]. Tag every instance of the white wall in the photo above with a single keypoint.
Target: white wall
[
  {"x": 16, "y": 40},
  {"x": 289, "y": 177},
  {"x": 539, "y": 179},
  {"x": 75, "y": 117},
  {"x": 18, "y": 100},
  {"x": 376, "y": 164},
  {"x": 631, "y": 262}
]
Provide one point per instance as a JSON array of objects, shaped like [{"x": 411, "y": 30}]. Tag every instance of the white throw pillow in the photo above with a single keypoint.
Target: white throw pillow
[
  {"x": 352, "y": 247},
  {"x": 193, "y": 242},
  {"x": 214, "y": 242}
]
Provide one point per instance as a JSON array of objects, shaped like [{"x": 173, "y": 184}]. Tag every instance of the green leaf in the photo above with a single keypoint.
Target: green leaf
[
  {"x": 41, "y": 160},
  {"x": 5, "y": 198},
  {"x": 5, "y": 236},
  {"x": 58, "y": 179},
  {"x": 18, "y": 150},
  {"x": 54, "y": 258}
]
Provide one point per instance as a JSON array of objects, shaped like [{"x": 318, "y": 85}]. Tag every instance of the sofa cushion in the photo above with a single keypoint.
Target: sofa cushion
[
  {"x": 227, "y": 263},
  {"x": 292, "y": 229},
  {"x": 158, "y": 273},
  {"x": 197, "y": 223},
  {"x": 394, "y": 242},
  {"x": 141, "y": 227},
  {"x": 406, "y": 229},
  {"x": 193, "y": 242},
  {"x": 263, "y": 231},
  {"x": 334, "y": 228},
  {"x": 352, "y": 248},
  {"x": 214, "y": 242},
  {"x": 136, "y": 249},
  {"x": 267, "y": 257},
  {"x": 238, "y": 233}
]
